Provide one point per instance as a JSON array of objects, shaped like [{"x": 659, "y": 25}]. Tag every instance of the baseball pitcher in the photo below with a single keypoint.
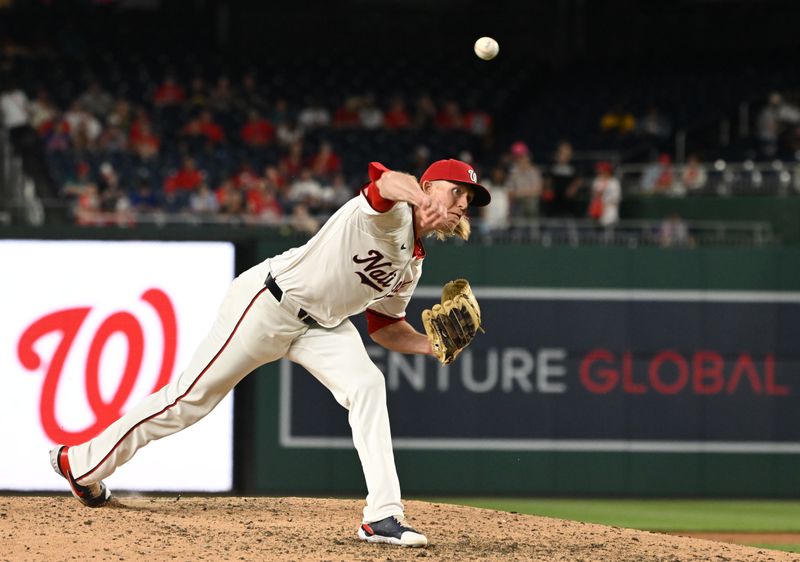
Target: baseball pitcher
[{"x": 366, "y": 258}]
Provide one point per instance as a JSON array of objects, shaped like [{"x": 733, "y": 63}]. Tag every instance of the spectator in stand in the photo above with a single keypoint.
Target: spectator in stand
[
  {"x": 325, "y": 163},
  {"x": 370, "y": 114},
  {"x": 16, "y": 113},
  {"x": 198, "y": 95},
  {"x": 169, "y": 93},
  {"x": 145, "y": 143},
  {"x": 108, "y": 179},
  {"x": 654, "y": 125},
  {"x": 203, "y": 203},
  {"x": 257, "y": 131},
  {"x": 96, "y": 100},
  {"x": 232, "y": 203},
  {"x": 246, "y": 177},
  {"x": 659, "y": 176},
  {"x": 479, "y": 123},
  {"x": 774, "y": 121},
  {"x": 115, "y": 205},
  {"x": 113, "y": 140},
  {"x": 224, "y": 193},
  {"x": 210, "y": 129},
  {"x": 203, "y": 128},
  {"x": 144, "y": 199},
  {"x": 262, "y": 204},
  {"x": 336, "y": 194},
  {"x": 314, "y": 115},
  {"x": 606, "y": 196},
  {"x": 57, "y": 136},
  {"x": 137, "y": 124},
  {"x": 121, "y": 117},
  {"x": 281, "y": 113},
  {"x": 250, "y": 96},
  {"x": 87, "y": 209},
  {"x": 221, "y": 100},
  {"x": 346, "y": 115},
  {"x": 449, "y": 117},
  {"x": 307, "y": 191},
  {"x": 496, "y": 216},
  {"x": 562, "y": 185},
  {"x": 180, "y": 184},
  {"x": 425, "y": 113},
  {"x": 524, "y": 183},
  {"x": 274, "y": 178},
  {"x": 302, "y": 221},
  {"x": 76, "y": 184},
  {"x": 289, "y": 133},
  {"x": 673, "y": 231},
  {"x": 293, "y": 162},
  {"x": 397, "y": 116},
  {"x": 84, "y": 127},
  {"x": 693, "y": 175},
  {"x": 42, "y": 111},
  {"x": 617, "y": 120}
]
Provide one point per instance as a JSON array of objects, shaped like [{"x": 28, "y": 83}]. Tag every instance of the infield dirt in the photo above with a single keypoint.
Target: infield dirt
[{"x": 36, "y": 528}]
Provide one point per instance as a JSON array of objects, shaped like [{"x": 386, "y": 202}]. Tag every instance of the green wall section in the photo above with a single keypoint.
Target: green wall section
[
  {"x": 768, "y": 269},
  {"x": 781, "y": 212},
  {"x": 317, "y": 471}
]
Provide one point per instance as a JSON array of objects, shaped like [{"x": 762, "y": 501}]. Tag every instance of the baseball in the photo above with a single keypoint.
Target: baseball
[{"x": 486, "y": 48}]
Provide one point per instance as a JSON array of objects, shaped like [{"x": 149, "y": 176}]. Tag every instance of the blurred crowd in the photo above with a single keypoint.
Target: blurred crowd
[{"x": 220, "y": 151}]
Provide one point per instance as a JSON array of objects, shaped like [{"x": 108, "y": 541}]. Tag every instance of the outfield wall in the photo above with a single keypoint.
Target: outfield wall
[
  {"x": 603, "y": 371},
  {"x": 659, "y": 372}
]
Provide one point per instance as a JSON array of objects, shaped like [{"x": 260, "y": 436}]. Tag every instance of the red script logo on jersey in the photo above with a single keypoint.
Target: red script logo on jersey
[
  {"x": 68, "y": 322},
  {"x": 377, "y": 275}
]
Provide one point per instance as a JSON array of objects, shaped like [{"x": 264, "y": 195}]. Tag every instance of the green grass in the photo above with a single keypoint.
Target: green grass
[
  {"x": 752, "y": 516},
  {"x": 784, "y": 547},
  {"x": 656, "y": 515}
]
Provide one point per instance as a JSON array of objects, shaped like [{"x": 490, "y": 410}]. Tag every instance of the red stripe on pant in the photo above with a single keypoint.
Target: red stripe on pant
[{"x": 179, "y": 398}]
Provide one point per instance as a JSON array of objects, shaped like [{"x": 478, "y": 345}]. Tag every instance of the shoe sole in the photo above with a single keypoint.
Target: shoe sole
[
  {"x": 98, "y": 501},
  {"x": 378, "y": 539}
]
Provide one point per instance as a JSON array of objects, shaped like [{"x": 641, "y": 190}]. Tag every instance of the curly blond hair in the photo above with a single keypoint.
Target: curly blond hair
[{"x": 462, "y": 230}]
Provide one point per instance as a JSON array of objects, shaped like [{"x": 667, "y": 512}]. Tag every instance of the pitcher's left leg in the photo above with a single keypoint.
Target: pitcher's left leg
[{"x": 338, "y": 359}]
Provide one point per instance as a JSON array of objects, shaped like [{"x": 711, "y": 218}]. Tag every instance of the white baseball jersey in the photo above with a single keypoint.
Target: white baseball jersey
[{"x": 361, "y": 259}]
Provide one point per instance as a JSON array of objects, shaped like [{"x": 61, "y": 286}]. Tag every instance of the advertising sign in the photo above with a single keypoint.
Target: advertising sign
[
  {"x": 90, "y": 328},
  {"x": 583, "y": 370}
]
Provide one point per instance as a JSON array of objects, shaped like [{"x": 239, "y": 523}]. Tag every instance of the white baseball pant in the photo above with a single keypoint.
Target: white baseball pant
[{"x": 252, "y": 329}]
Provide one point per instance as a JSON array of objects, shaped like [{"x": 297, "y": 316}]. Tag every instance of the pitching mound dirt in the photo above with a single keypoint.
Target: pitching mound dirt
[{"x": 221, "y": 528}]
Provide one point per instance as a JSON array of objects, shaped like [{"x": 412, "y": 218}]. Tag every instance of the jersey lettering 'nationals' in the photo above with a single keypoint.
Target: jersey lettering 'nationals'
[
  {"x": 361, "y": 258},
  {"x": 376, "y": 274}
]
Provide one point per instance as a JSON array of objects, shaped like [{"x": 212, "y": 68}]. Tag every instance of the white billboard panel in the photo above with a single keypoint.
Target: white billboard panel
[{"x": 88, "y": 329}]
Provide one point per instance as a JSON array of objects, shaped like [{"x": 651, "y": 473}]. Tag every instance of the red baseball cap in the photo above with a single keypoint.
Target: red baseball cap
[{"x": 458, "y": 172}]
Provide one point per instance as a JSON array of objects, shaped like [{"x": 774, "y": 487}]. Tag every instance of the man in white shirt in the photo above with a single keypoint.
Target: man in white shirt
[{"x": 366, "y": 258}]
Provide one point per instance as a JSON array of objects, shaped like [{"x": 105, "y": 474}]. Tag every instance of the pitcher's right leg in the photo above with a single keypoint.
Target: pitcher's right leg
[{"x": 251, "y": 329}]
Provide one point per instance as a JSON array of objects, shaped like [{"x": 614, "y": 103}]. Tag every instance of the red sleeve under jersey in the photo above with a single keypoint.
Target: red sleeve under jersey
[
  {"x": 371, "y": 192},
  {"x": 376, "y": 320}
]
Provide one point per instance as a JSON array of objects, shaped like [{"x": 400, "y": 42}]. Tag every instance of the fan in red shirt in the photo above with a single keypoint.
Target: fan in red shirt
[
  {"x": 346, "y": 115},
  {"x": 186, "y": 179},
  {"x": 325, "y": 163},
  {"x": 450, "y": 116},
  {"x": 257, "y": 131},
  {"x": 169, "y": 92},
  {"x": 397, "y": 117},
  {"x": 291, "y": 164},
  {"x": 204, "y": 126},
  {"x": 145, "y": 143}
]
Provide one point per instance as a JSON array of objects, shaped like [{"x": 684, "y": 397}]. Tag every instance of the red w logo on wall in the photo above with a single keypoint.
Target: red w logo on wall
[{"x": 68, "y": 322}]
